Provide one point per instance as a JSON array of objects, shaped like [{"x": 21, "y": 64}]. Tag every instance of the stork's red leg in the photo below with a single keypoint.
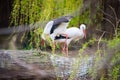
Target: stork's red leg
[
  {"x": 65, "y": 45},
  {"x": 66, "y": 49},
  {"x": 53, "y": 48},
  {"x": 62, "y": 48},
  {"x": 42, "y": 42},
  {"x": 65, "y": 39}
]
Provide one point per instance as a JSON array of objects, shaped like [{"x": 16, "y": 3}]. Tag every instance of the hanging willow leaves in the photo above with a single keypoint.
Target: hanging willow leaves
[{"x": 32, "y": 11}]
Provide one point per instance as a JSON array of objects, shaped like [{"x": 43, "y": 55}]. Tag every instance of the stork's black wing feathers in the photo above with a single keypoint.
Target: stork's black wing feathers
[
  {"x": 57, "y": 22},
  {"x": 61, "y": 37}
]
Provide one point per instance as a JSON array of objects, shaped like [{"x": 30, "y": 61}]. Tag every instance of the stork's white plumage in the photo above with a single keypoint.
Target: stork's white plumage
[
  {"x": 47, "y": 29},
  {"x": 73, "y": 34},
  {"x": 55, "y": 27}
]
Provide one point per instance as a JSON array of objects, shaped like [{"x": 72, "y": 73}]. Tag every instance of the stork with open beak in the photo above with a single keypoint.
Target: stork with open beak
[
  {"x": 73, "y": 33},
  {"x": 55, "y": 27}
]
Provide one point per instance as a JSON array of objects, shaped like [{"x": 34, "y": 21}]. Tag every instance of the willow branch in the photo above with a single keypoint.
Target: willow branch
[{"x": 107, "y": 14}]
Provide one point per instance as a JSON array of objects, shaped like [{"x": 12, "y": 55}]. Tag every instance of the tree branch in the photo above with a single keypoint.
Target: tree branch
[
  {"x": 107, "y": 14},
  {"x": 110, "y": 22},
  {"x": 100, "y": 40}
]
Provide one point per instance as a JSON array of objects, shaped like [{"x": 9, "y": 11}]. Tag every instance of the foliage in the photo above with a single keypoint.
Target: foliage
[
  {"x": 113, "y": 43},
  {"x": 114, "y": 70},
  {"x": 114, "y": 73},
  {"x": 106, "y": 63},
  {"x": 85, "y": 45},
  {"x": 32, "y": 11},
  {"x": 29, "y": 11}
]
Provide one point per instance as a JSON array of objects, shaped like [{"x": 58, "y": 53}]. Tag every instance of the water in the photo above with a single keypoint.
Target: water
[{"x": 65, "y": 66}]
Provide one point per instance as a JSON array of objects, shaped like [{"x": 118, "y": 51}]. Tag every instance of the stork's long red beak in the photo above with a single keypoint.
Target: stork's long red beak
[
  {"x": 84, "y": 31},
  {"x": 42, "y": 42}
]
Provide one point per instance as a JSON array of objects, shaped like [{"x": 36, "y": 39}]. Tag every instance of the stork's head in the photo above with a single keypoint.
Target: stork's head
[
  {"x": 83, "y": 28},
  {"x": 68, "y": 17}
]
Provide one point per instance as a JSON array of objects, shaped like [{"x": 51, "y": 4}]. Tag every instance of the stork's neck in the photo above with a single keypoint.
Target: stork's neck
[{"x": 82, "y": 32}]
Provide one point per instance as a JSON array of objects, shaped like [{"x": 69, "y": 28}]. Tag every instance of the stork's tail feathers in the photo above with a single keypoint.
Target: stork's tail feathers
[
  {"x": 52, "y": 36},
  {"x": 43, "y": 37}
]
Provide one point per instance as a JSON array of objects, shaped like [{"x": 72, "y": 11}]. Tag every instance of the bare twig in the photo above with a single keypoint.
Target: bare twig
[
  {"x": 100, "y": 40},
  {"x": 114, "y": 13},
  {"x": 104, "y": 31},
  {"x": 116, "y": 20},
  {"x": 115, "y": 26},
  {"x": 110, "y": 22},
  {"x": 107, "y": 14},
  {"x": 117, "y": 23}
]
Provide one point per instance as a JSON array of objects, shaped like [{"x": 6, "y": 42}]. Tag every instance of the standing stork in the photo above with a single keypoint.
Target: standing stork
[
  {"x": 55, "y": 27},
  {"x": 73, "y": 33}
]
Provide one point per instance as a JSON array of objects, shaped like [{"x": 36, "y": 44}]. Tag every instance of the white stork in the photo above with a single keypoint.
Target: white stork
[
  {"x": 55, "y": 27},
  {"x": 73, "y": 33}
]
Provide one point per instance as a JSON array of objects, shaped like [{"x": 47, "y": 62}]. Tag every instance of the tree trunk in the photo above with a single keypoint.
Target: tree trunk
[{"x": 5, "y": 10}]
